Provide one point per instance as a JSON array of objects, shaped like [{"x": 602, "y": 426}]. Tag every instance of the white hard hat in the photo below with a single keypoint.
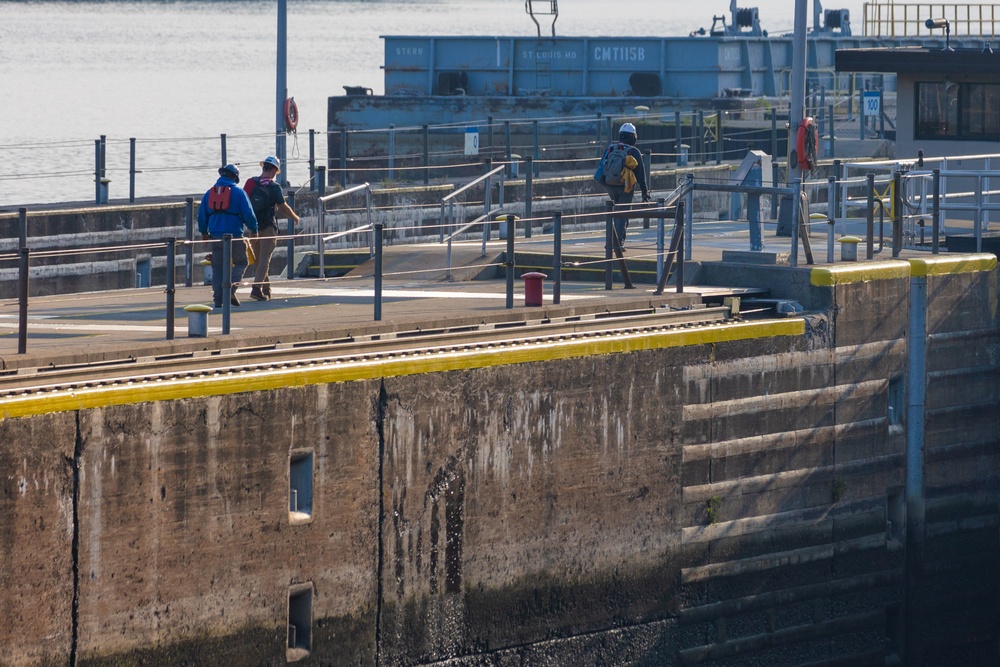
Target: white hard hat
[
  {"x": 272, "y": 161},
  {"x": 627, "y": 127}
]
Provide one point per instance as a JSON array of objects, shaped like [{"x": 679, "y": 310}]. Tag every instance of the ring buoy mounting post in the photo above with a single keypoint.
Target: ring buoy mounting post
[
  {"x": 806, "y": 143},
  {"x": 291, "y": 115}
]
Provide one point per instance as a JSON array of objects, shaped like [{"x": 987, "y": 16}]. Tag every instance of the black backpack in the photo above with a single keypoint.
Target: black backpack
[
  {"x": 614, "y": 164},
  {"x": 261, "y": 201}
]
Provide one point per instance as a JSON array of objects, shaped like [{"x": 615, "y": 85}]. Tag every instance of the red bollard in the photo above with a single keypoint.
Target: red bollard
[{"x": 533, "y": 288}]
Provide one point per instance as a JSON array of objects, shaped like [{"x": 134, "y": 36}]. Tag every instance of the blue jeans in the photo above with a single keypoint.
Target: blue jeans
[{"x": 239, "y": 258}]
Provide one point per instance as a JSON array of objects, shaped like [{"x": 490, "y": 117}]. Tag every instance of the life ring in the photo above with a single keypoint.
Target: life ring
[
  {"x": 291, "y": 115},
  {"x": 807, "y": 141}
]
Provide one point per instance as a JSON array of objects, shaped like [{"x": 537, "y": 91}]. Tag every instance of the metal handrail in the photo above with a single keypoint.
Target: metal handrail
[
  {"x": 909, "y": 19},
  {"x": 465, "y": 187},
  {"x": 321, "y": 238}
]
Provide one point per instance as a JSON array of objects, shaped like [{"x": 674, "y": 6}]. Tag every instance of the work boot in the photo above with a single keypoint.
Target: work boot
[
  {"x": 257, "y": 295},
  {"x": 233, "y": 300}
]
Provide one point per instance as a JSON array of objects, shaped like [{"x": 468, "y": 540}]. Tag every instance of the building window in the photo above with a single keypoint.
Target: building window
[
  {"x": 958, "y": 111},
  {"x": 300, "y": 487},
  {"x": 300, "y": 599}
]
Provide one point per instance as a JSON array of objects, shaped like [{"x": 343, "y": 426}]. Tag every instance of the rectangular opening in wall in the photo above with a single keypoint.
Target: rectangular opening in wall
[
  {"x": 300, "y": 597},
  {"x": 300, "y": 486}
]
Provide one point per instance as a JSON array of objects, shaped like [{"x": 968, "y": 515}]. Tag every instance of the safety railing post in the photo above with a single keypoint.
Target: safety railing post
[
  {"x": 536, "y": 154},
  {"x": 936, "y": 214},
  {"x": 897, "y": 214},
  {"x": 660, "y": 237},
  {"x": 427, "y": 155},
  {"x": 682, "y": 243},
  {"x": 22, "y": 227},
  {"x": 97, "y": 171},
  {"x": 487, "y": 163},
  {"x": 227, "y": 281},
  {"x": 189, "y": 241},
  {"x": 608, "y": 240},
  {"x": 368, "y": 219},
  {"x": 648, "y": 172},
  {"x": 718, "y": 136},
  {"x": 793, "y": 259},
  {"x": 870, "y": 222},
  {"x": 170, "y": 289},
  {"x": 22, "y": 301},
  {"x": 832, "y": 134},
  {"x": 774, "y": 181},
  {"x": 774, "y": 142},
  {"x": 378, "y": 271},
  {"x": 507, "y": 150},
  {"x": 831, "y": 210},
  {"x": 509, "y": 260},
  {"x": 290, "y": 242},
  {"x": 678, "y": 138},
  {"x": 528, "y": 195},
  {"x": 321, "y": 180},
  {"x": 320, "y": 243},
  {"x": 392, "y": 150},
  {"x": 343, "y": 158},
  {"x": 131, "y": 170},
  {"x": 222, "y": 145},
  {"x": 689, "y": 214},
  {"x": 312, "y": 160},
  {"x": 557, "y": 256},
  {"x": 597, "y": 136}
]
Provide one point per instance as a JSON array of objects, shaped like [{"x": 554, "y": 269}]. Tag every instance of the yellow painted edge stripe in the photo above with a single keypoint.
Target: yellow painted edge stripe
[
  {"x": 939, "y": 266},
  {"x": 429, "y": 362},
  {"x": 858, "y": 272}
]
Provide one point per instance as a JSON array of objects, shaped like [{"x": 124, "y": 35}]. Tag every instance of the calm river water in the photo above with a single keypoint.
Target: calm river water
[{"x": 176, "y": 75}]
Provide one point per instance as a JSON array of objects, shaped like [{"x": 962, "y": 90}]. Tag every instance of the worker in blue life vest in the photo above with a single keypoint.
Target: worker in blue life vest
[
  {"x": 621, "y": 184},
  {"x": 267, "y": 201},
  {"x": 225, "y": 209}
]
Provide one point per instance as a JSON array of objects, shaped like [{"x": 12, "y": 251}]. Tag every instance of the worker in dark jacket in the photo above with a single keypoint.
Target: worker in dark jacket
[
  {"x": 225, "y": 209},
  {"x": 635, "y": 175}
]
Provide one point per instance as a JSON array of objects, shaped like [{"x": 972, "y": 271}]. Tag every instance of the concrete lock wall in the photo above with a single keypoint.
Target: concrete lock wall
[{"x": 721, "y": 495}]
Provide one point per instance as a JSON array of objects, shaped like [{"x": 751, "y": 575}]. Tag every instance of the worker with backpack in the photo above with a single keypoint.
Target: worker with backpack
[
  {"x": 225, "y": 209},
  {"x": 267, "y": 200},
  {"x": 620, "y": 170}
]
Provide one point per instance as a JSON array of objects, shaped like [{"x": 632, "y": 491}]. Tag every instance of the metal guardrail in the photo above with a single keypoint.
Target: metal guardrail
[{"x": 904, "y": 19}]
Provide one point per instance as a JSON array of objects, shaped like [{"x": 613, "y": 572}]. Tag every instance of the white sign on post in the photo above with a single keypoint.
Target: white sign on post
[
  {"x": 472, "y": 141},
  {"x": 872, "y": 103}
]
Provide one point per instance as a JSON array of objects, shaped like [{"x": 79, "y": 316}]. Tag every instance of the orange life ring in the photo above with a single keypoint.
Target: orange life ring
[
  {"x": 291, "y": 115},
  {"x": 807, "y": 141}
]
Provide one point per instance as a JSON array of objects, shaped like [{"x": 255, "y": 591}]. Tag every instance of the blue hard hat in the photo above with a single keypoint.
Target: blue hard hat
[{"x": 232, "y": 170}]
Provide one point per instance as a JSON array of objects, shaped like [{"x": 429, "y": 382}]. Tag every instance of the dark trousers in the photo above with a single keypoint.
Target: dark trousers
[
  {"x": 239, "y": 258},
  {"x": 619, "y": 196}
]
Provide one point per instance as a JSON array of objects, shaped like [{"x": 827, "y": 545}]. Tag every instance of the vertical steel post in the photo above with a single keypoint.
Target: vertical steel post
[
  {"x": 870, "y": 226},
  {"x": 189, "y": 237},
  {"x": 678, "y": 138},
  {"x": 897, "y": 214},
  {"x": 378, "y": 271},
  {"x": 290, "y": 242},
  {"x": 170, "y": 289},
  {"x": 312, "y": 160},
  {"x": 557, "y": 256},
  {"x": 509, "y": 263},
  {"x": 22, "y": 227},
  {"x": 487, "y": 164},
  {"x": 427, "y": 155},
  {"x": 321, "y": 180},
  {"x": 683, "y": 248},
  {"x": 660, "y": 204},
  {"x": 97, "y": 171},
  {"x": 281, "y": 86},
  {"x": 227, "y": 281},
  {"x": 718, "y": 136},
  {"x": 537, "y": 154},
  {"x": 831, "y": 211},
  {"x": 688, "y": 216},
  {"x": 508, "y": 155},
  {"x": 222, "y": 141},
  {"x": 774, "y": 145},
  {"x": 528, "y": 195},
  {"x": 343, "y": 159},
  {"x": 22, "y": 302},
  {"x": 608, "y": 241},
  {"x": 131, "y": 170},
  {"x": 833, "y": 132},
  {"x": 796, "y": 223},
  {"x": 392, "y": 149},
  {"x": 936, "y": 214}
]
